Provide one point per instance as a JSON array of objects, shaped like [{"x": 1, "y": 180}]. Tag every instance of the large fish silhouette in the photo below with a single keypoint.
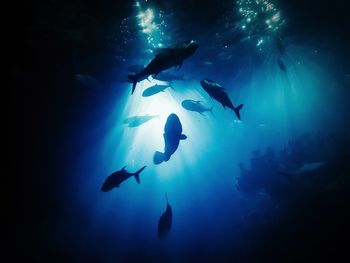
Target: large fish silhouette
[
  {"x": 116, "y": 178},
  {"x": 218, "y": 93},
  {"x": 167, "y": 58},
  {"x": 172, "y": 136}
]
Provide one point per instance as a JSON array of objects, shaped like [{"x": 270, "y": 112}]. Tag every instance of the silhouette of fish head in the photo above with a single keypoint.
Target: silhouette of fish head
[
  {"x": 173, "y": 125},
  {"x": 109, "y": 184},
  {"x": 192, "y": 45},
  {"x": 206, "y": 84},
  {"x": 187, "y": 48},
  {"x": 106, "y": 187}
]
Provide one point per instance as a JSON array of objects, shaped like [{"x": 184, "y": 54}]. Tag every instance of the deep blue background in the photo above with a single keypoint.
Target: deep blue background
[{"x": 64, "y": 140}]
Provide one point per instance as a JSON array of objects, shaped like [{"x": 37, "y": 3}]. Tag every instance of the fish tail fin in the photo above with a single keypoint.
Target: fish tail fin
[
  {"x": 137, "y": 174},
  {"x": 158, "y": 157},
  {"x": 133, "y": 79},
  {"x": 237, "y": 109}
]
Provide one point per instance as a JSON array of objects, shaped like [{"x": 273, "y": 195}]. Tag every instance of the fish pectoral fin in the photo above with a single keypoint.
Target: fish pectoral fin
[{"x": 183, "y": 137}]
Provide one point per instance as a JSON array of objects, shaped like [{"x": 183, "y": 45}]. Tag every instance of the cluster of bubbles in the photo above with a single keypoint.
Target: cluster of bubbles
[
  {"x": 126, "y": 30},
  {"x": 120, "y": 37},
  {"x": 145, "y": 24},
  {"x": 151, "y": 22},
  {"x": 259, "y": 20}
]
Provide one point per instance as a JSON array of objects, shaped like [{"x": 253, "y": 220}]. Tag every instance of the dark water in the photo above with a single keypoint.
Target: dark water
[{"x": 273, "y": 187}]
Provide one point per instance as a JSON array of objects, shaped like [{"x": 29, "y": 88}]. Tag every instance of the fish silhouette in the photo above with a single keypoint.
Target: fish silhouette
[
  {"x": 172, "y": 136},
  {"x": 165, "y": 221}
]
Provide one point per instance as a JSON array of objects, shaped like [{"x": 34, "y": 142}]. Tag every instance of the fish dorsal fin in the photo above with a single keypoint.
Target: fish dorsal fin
[{"x": 123, "y": 169}]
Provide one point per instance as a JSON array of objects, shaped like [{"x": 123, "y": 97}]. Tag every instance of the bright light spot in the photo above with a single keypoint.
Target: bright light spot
[
  {"x": 151, "y": 24},
  {"x": 269, "y": 6},
  {"x": 146, "y": 21},
  {"x": 276, "y": 17},
  {"x": 260, "y": 20},
  {"x": 140, "y": 143},
  {"x": 260, "y": 42}
]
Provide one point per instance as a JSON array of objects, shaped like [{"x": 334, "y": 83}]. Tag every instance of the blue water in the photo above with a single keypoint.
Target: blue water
[
  {"x": 215, "y": 219},
  {"x": 200, "y": 179}
]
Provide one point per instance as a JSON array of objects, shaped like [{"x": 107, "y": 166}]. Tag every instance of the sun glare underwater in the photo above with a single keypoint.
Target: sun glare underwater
[{"x": 229, "y": 177}]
